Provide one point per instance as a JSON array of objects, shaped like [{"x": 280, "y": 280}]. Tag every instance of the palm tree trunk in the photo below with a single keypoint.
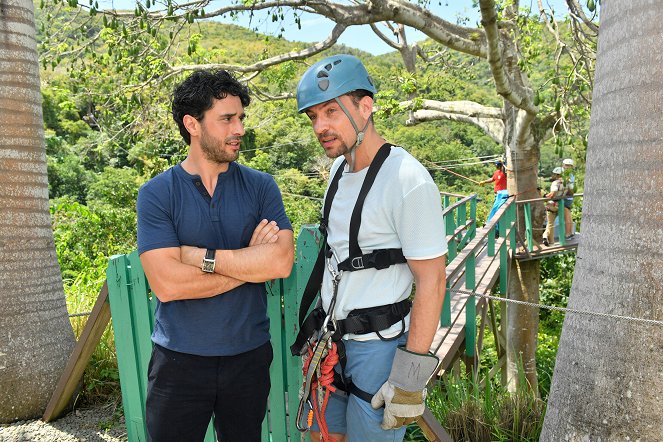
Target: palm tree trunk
[
  {"x": 35, "y": 334},
  {"x": 607, "y": 380}
]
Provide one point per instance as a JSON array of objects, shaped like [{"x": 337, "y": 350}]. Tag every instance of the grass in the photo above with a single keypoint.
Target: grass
[
  {"x": 473, "y": 413},
  {"x": 101, "y": 378}
]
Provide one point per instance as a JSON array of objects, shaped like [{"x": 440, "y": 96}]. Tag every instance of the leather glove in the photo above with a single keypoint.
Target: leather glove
[{"x": 404, "y": 393}]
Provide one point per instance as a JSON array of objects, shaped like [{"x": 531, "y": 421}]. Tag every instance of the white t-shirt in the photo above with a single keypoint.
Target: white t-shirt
[
  {"x": 557, "y": 189},
  {"x": 402, "y": 210}
]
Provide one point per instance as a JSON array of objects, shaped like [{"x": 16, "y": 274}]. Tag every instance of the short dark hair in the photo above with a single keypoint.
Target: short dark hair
[
  {"x": 196, "y": 94},
  {"x": 359, "y": 94}
]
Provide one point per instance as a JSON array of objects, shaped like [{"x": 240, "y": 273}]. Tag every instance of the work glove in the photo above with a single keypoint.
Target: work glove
[{"x": 404, "y": 393}]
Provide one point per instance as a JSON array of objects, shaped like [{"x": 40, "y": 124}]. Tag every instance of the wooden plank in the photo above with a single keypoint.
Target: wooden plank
[
  {"x": 87, "y": 342},
  {"x": 541, "y": 251},
  {"x": 433, "y": 431}
]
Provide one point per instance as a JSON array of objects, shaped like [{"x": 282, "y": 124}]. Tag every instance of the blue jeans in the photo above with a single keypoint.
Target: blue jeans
[
  {"x": 184, "y": 391},
  {"x": 368, "y": 364}
]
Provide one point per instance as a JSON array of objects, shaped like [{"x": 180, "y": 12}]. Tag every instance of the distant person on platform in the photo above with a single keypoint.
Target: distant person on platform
[
  {"x": 210, "y": 233},
  {"x": 552, "y": 206},
  {"x": 501, "y": 194},
  {"x": 570, "y": 187}
]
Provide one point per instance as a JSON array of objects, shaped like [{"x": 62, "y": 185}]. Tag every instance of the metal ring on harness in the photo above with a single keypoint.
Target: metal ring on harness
[
  {"x": 360, "y": 261},
  {"x": 393, "y": 338}
]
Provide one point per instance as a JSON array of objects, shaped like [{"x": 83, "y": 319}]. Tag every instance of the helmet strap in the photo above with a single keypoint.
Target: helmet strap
[{"x": 360, "y": 133}]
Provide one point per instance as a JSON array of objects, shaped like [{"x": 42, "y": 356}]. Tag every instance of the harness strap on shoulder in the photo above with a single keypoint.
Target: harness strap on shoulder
[
  {"x": 355, "y": 219},
  {"x": 329, "y": 198}
]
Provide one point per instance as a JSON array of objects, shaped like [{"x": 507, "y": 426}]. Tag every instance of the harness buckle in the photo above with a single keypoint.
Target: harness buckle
[{"x": 357, "y": 263}]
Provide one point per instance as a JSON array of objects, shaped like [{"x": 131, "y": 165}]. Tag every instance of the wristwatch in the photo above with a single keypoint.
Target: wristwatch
[{"x": 209, "y": 261}]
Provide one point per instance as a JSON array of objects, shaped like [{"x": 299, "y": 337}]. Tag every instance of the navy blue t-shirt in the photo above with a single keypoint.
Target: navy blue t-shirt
[{"x": 175, "y": 209}]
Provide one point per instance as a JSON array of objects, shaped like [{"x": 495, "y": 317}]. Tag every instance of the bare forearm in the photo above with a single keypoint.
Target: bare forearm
[
  {"x": 425, "y": 316},
  {"x": 258, "y": 263},
  {"x": 171, "y": 280}
]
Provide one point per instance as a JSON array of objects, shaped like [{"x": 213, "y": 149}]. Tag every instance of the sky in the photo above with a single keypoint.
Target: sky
[{"x": 316, "y": 28}]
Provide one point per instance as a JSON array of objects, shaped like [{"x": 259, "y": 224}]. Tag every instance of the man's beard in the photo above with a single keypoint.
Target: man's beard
[
  {"x": 212, "y": 151},
  {"x": 337, "y": 152}
]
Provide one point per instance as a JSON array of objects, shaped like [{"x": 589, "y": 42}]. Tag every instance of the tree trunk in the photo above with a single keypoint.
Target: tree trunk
[
  {"x": 35, "y": 334},
  {"x": 607, "y": 380},
  {"x": 522, "y": 322}
]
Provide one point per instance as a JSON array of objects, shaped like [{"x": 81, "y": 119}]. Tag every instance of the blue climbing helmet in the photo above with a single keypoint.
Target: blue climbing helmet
[{"x": 330, "y": 78}]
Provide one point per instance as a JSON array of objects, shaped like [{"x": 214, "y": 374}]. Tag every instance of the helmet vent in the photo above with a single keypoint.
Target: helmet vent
[
  {"x": 323, "y": 84},
  {"x": 322, "y": 74}
]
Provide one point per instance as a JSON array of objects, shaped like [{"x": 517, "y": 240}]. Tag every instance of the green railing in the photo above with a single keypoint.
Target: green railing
[
  {"x": 465, "y": 262},
  {"x": 460, "y": 230},
  {"x": 132, "y": 310},
  {"x": 529, "y": 227}
]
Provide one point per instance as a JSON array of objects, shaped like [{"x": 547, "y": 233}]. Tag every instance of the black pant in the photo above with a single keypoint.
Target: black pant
[{"x": 184, "y": 390}]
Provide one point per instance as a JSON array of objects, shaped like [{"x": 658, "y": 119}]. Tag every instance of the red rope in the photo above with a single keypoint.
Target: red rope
[{"x": 325, "y": 381}]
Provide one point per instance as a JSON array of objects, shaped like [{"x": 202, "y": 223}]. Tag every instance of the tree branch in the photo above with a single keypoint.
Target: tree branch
[
  {"x": 488, "y": 119},
  {"x": 511, "y": 92},
  {"x": 264, "y": 64}
]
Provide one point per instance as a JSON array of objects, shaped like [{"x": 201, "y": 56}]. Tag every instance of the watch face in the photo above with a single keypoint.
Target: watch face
[{"x": 208, "y": 265}]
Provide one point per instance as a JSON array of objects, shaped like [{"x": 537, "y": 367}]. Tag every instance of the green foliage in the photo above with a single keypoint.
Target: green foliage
[
  {"x": 555, "y": 287},
  {"x": 67, "y": 176},
  {"x": 470, "y": 412},
  {"x": 86, "y": 236},
  {"x": 116, "y": 187}
]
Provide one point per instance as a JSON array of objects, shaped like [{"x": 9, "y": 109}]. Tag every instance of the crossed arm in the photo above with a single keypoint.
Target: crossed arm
[
  {"x": 430, "y": 280},
  {"x": 174, "y": 273}
]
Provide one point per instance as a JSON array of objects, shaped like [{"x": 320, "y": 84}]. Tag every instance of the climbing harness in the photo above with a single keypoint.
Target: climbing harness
[{"x": 320, "y": 334}]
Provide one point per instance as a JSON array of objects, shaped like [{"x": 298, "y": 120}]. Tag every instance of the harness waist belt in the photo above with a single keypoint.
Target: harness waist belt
[{"x": 358, "y": 322}]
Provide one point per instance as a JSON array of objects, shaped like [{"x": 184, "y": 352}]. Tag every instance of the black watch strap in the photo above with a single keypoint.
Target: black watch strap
[{"x": 209, "y": 261}]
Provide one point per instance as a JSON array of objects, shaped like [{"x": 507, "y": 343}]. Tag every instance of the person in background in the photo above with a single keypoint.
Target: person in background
[
  {"x": 498, "y": 178},
  {"x": 499, "y": 186},
  {"x": 552, "y": 206},
  {"x": 570, "y": 184},
  {"x": 210, "y": 233},
  {"x": 402, "y": 212}
]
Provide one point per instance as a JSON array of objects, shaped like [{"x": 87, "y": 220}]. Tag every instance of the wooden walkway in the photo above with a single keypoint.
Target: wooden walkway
[
  {"x": 448, "y": 340},
  {"x": 542, "y": 251}
]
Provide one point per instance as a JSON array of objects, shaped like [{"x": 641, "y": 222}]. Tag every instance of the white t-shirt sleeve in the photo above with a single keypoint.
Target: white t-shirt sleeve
[{"x": 419, "y": 223}]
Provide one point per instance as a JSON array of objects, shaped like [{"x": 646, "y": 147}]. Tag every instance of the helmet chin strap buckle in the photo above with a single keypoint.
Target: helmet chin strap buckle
[{"x": 360, "y": 133}]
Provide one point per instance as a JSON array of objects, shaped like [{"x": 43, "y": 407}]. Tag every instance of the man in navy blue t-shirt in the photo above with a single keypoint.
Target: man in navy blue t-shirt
[{"x": 210, "y": 233}]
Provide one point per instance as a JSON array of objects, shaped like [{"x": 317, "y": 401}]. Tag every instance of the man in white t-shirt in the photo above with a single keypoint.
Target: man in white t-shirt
[{"x": 402, "y": 211}]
